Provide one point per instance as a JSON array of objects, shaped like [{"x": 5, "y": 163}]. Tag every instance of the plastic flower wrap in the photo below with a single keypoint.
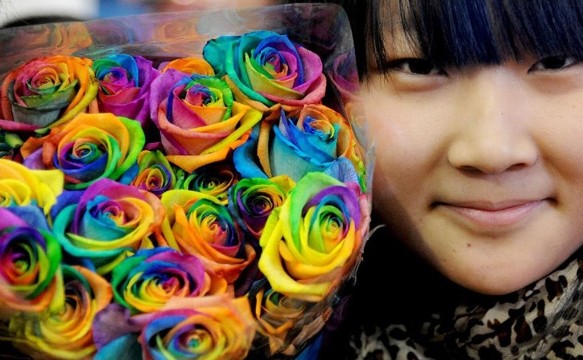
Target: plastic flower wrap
[{"x": 176, "y": 186}]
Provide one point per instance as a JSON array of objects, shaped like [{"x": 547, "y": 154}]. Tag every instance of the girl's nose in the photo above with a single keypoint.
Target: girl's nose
[{"x": 492, "y": 135}]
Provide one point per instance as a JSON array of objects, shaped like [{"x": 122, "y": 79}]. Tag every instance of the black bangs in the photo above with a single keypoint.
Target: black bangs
[{"x": 464, "y": 32}]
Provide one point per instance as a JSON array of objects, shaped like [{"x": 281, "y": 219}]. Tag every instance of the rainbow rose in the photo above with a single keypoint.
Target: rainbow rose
[
  {"x": 88, "y": 148},
  {"x": 199, "y": 224},
  {"x": 48, "y": 91},
  {"x": 189, "y": 65},
  {"x": 67, "y": 332},
  {"x": 208, "y": 327},
  {"x": 223, "y": 326},
  {"x": 313, "y": 239},
  {"x": 312, "y": 138},
  {"x": 106, "y": 222},
  {"x": 264, "y": 68},
  {"x": 155, "y": 174},
  {"x": 30, "y": 276},
  {"x": 198, "y": 120},
  {"x": 286, "y": 323},
  {"x": 252, "y": 200},
  {"x": 214, "y": 179},
  {"x": 145, "y": 281},
  {"x": 21, "y": 186},
  {"x": 124, "y": 85}
]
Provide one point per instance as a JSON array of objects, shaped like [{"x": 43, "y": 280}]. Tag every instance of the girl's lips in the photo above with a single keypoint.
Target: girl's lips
[{"x": 493, "y": 215}]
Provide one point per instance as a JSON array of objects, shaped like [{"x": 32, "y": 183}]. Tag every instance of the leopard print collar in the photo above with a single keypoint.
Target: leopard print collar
[{"x": 533, "y": 323}]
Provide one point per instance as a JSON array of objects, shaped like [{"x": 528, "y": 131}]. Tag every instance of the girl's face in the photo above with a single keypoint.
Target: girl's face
[{"x": 480, "y": 169}]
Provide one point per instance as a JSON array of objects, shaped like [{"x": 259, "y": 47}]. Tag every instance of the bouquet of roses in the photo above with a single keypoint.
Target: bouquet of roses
[{"x": 171, "y": 189}]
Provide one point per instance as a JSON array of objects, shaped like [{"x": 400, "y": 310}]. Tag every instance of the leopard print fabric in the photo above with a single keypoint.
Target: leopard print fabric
[{"x": 542, "y": 321}]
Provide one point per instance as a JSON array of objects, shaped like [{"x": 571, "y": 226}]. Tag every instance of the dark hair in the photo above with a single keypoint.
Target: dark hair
[
  {"x": 455, "y": 33},
  {"x": 35, "y": 20}
]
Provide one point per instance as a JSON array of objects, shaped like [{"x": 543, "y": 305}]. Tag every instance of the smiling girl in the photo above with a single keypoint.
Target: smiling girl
[{"x": 476, "y": 111}]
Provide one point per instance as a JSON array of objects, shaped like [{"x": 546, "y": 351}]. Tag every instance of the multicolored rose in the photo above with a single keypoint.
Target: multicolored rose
[
  {"x": 199, "y": 224},
  {"x": 21, "y": 186},
  {"x": 30, "y": 256},
  {"x": 252, "y": 200},
  {"x": 312, "y": 240},
  {"x": 198, "y": 120},
  {"x": 66, "y": 333},
  {"x": 145, "y": 281},
  {"x": 48, "y": 91},
  {"x": 190, "y": 65},
  {"x": 88, "y": 148},
  {"x": 264, "y": 68},
  {"x": 124, "y": 85},
  {"x": 106, "y": 223},
  {"x": 286, "y": 323},
  {"x": 207, "y": 327},
  {"x": 223, "y": 326},
  {"x": 155, "y": 174},
  {"x": 214, "y": 179},
  {"x": 312, "y": 138}
]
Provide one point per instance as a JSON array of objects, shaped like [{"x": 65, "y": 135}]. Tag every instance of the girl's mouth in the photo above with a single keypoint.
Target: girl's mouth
[{"x": 491, "y": 215}]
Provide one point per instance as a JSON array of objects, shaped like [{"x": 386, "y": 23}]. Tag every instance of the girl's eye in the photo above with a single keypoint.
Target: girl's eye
[
  {"x": 554, "y": 63},
  {"x": 415, "y": 66}
]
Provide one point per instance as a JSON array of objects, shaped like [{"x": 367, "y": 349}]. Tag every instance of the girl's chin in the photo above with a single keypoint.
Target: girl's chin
[{"x": 499, "y": 282}]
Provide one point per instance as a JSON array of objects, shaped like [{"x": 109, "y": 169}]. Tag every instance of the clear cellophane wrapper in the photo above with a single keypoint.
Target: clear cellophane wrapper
[{"x": 317, "y": 250}]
